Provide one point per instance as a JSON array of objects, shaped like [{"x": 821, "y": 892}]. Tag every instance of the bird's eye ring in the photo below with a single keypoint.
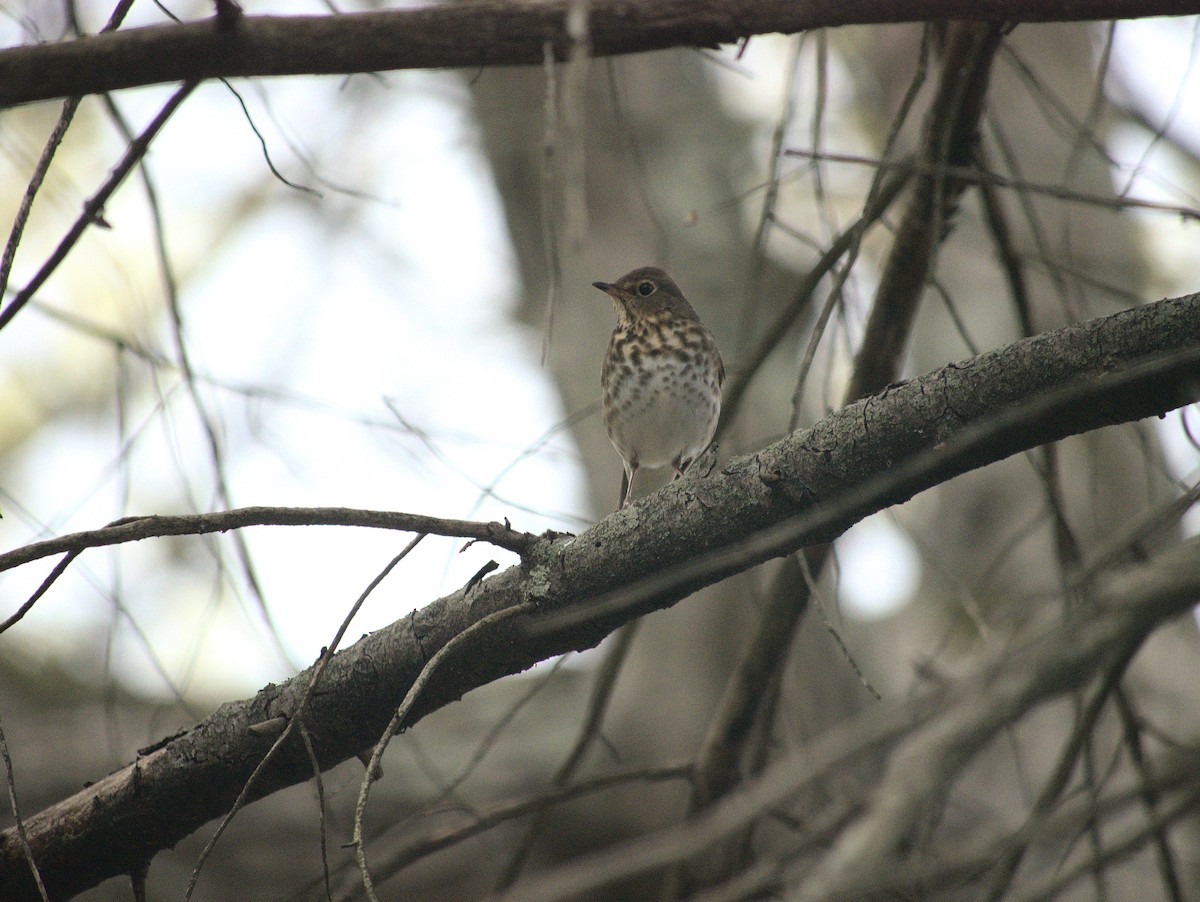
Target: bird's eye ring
[{"x": 645, "y": 289}]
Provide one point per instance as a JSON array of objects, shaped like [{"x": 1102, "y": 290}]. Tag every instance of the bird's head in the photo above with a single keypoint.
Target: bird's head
[{"x": 647, "y": 292}]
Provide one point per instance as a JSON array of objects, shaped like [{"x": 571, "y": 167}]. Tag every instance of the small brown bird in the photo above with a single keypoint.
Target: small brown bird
[{"x": 662, "y": 376}]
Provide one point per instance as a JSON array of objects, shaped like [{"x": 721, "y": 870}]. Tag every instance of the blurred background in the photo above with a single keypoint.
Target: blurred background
[{"x": 375, "y": 292}]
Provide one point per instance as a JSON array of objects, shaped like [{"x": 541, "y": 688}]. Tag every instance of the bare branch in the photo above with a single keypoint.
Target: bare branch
[
  {"x": 20, "y": 825},
  {"x": 949, "y": 135},
  {"x": 133, "y": 529},
  {"x": 950, "y": 138},
  {"x": 1053, "y": 659},
  {"x": 874, "y": 208},
  {"x": 94, "y": 208},
  {"x": 604, "y": 683},
  {"x": 472, "y": 33},
  {"x": 1168, "y": 585},
  {"x": 483, "y": 821},
  {"x": 297, "y": 711},
  {"x": 456, "y": 644},
  {"x": 805, "y": 489},
  {"x": 43, "y": 163},
  {"x": 977, "y": 175}
]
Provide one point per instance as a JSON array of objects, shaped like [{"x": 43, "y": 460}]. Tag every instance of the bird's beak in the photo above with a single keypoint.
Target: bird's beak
[{"x": 606, "y": 287}]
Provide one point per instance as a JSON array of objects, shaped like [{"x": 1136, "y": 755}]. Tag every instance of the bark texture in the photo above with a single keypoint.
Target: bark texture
[{"x": 468, "y": 34}]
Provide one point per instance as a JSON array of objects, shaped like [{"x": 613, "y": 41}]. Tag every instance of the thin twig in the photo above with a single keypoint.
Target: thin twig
[
  {"x": 16, "y": 812},
  {"x": 1056, "y": 783},
  {"x": 874, "y": 208},
  {"x": 491, "y": 737},
  {"x": 944, "y": 731},
  {"x": 1134, "y": 838},
  {"x": 551, "y": 195},
  {"x": 132, "y": 529},
  {"x": 437, "y": 840},
  {"x": 93, "y": 208},
  {"x": 70, "y": 105},
  {"x": 602, "y": 691},
  {"x": 973, "y": 175},
  {"x": 397, "y": 722},
  {"x": 318, "y": 669},
  {"x": 815, "y": 594},
  {"x": 1151, "y": 800},
  {"x": 752, "y": 294},
  {"x": 320, "y": 783},
  {"x": 24, "y": 609}
]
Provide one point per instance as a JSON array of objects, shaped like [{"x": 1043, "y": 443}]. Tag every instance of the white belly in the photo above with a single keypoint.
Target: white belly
[{"x": 667, "y": 418}]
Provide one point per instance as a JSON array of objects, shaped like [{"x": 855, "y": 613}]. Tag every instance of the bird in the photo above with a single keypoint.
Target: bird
[{"x": 662, "y": 376}]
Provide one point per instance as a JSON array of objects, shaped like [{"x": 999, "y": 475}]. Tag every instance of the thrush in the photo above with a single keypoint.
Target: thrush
[{"x": 662, "y": 376}]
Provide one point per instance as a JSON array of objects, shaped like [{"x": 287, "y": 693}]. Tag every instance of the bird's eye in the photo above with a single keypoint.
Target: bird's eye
[{"x": 645, "y": 289}]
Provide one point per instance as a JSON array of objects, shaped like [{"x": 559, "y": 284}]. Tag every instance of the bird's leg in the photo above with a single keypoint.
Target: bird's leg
[
  {"x": 680, "y": 467},
  {"x": 627, "y": 486}
]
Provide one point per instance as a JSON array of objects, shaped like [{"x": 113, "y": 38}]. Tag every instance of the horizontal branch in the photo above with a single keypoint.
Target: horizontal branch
[
  {"x": 974, "y": 175},
  {"x": 1134, "y": 364},
  {"x": 133, "y": 529},
  {"x": 470, "y": 34}
]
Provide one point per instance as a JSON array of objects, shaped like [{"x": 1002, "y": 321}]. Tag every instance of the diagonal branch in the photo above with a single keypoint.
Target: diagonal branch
[
  {"x": 949, "y": 137},
  {"x": 949, "y": 140},
  {"x": 1131, "y": 606},
  {"x": 471, "y": 33},
  {"x": 805, "y": 489},
  {"x": 93, "y": 209},
  {"x": 941, "y": 729}
]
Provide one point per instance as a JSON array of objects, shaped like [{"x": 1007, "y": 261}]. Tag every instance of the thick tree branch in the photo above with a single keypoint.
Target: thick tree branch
[
  {"x": 120, "y": 822},
  {"x": 473, "y": 33}
]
